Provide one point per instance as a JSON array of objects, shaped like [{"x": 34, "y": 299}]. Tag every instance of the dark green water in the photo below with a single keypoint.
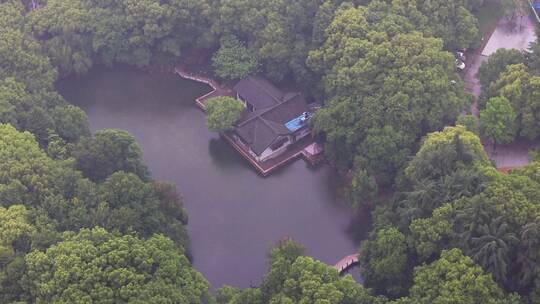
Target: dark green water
[{"x": 235, "y": 214}]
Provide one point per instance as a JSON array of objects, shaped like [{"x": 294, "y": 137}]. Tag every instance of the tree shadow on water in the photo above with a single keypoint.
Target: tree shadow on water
[
  {"x": 360, "y": 225},
  {"x": 224, "y": 156}
]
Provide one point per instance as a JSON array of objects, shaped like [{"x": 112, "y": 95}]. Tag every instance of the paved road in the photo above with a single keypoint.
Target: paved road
[
  {"x": 507, "y": 36},
  {"x": 472, "y": 85}
]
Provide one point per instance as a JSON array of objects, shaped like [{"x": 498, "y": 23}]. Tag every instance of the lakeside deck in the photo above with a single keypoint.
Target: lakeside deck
[
  {"x": 302, "y": 149},
  {"x": 306, "y": 148}
]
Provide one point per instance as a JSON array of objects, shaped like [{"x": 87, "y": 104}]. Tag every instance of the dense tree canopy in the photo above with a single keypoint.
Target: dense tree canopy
[
  {"x": 455, "y": 231},
  {"x": 381, "y": 89},
  {"x": 94, "y": 266}
]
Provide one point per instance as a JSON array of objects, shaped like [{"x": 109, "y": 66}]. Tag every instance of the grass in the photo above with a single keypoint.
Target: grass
[{"x": 488, "y": 15}]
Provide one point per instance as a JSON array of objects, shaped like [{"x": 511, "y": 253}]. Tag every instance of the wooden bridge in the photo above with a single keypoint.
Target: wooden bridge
[{"x": 346, "y": 263}]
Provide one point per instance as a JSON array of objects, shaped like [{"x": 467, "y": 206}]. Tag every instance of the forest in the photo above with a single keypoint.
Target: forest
[{"x": 82, "y": 220}]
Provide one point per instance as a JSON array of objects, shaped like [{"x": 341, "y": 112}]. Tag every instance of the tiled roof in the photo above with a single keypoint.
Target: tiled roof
[{"x": 263, "y": 127}]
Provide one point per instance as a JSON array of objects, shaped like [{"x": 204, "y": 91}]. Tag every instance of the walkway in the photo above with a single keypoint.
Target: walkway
[
  {"x": 515, "y": 155},
  {"x": 217, "y": 89},
  {"x": 346, "y": 263}
]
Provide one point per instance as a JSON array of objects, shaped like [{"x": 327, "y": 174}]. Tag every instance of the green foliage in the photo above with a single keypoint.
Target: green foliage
[
  {"x": 109, "y": 151},
  {"x": 471, "y": 123},
  {"x": 222, "y": 113},
  {"x": 64, "y": 28},
  {"x": 378, "y": 85},
  {"x": 453, "y": 278},
  {"x": 442, "y": 153},
  {"x": 521, "y": 88},
  {"x": 24, "y": 168},
  {"x": 532, "y": 57},
  {"x": 128, "y": 205},
  {"x": 499, "y": 120},
  {"x": 122, "y": 203},
  {"x": 298, "y": 279},
  {"x": 496, "y": 64},
  {"x": 233, "y": 60},
  {"x": 98, "y": 267},
  {"x": 71, "y": 122},
  {"x": 431, "y": 235},
  {"x": 363, "y": 189},
  {"x": 383, "y": 261}
]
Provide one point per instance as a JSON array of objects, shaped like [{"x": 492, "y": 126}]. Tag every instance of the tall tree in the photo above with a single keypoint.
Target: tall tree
[
  {"x": 384, "y": 262},
  {"x": 499, "y": 120},
  {"x": 222, "y": 113},
  {"x": 496, "y": 64},
  {"x": 109, "y": 151},
  {"x": 492, "y": 248},
  {"x": 233, "y": 60}
]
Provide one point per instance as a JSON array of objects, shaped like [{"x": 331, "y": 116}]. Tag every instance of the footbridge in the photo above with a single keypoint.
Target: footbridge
[{"x": 346, "y": 263}]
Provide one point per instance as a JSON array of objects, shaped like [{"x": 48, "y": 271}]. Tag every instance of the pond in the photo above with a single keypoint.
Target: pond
[{"x": 234, "y": 213}]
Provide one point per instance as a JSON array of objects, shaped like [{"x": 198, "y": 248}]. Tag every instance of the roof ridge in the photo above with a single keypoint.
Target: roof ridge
[
  {"x": 264, "y": 111},
  {"x": 255, "y": 80}
]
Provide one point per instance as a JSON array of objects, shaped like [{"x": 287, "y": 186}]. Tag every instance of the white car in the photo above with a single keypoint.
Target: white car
[{"x": 460, "y": 65}]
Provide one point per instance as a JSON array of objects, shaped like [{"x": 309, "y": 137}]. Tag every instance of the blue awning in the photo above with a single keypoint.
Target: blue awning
[{"x": 298, "y": 122}]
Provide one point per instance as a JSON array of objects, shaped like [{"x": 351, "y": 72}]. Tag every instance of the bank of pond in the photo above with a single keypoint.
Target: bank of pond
[{"x": 234, "y": 213}]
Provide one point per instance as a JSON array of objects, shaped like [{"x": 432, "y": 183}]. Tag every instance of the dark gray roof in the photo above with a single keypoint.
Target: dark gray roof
[
  {"x": 259, "y": 92},
  {"x": 261, "y": 128}
]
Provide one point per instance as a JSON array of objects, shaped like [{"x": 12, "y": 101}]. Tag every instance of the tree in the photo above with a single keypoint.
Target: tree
[
  {"x": 222, "y": 113},
  {"x": 492, "y": 247},
  {"x": 15, "y": 231},
  {"x": 127, "y": 204},
  {"x": 363, "y": 189},
  {"x": 470, "y": 122},
  {"x": 64, "y": 29},
  {"x": 24, "y": 168},
  {"x": 499, "y": 120},
  {"x": 383, "y": 261},
  {"x": 432, "y": 235},
  {"x": 233, "y": 60},
  {"x": 70, "y": 122},
  {"x": 532, "y": 57},
  {"x": 441, "y": 153},
  {"x": 103, "y": 268},
  {"x": 496, "y": 64},
  {"x": 109, "y": 151},
  {"x": 454, "y": 278}
]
